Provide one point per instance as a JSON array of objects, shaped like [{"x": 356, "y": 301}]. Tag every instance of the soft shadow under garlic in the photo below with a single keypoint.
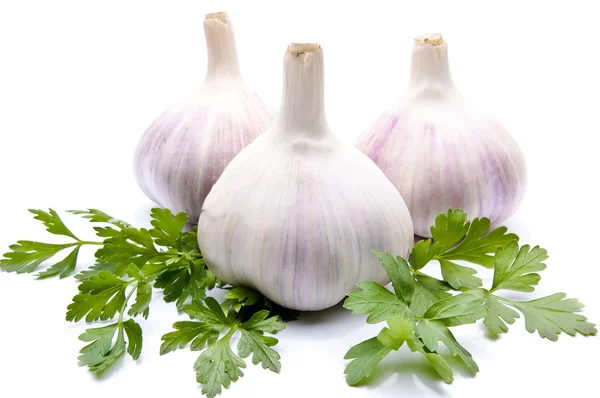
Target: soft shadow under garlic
[{"x": 331, "y": 323}]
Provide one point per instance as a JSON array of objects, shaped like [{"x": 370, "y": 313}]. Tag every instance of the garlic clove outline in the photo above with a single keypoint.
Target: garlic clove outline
[
  {"x": 440, "y": 152},
  {"x": 184, "y": 151},
  {"x": 297, "y": 214}
]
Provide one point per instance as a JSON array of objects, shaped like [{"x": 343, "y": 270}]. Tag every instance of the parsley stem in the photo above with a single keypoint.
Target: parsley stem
[
  {"x": 86, "y": 242},
  {"x": 124, "y": 306},
  {"x": 199, "y": 255},
  {"x": 230, "y": 333}
]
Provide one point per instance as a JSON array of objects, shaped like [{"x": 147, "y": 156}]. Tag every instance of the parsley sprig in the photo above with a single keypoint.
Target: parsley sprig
[
  {"x": 408, "y": 322},
  {"x": 422, "y": 309},
  {"x": 515, "y": 268},
  {"x": 212, "y": 330},
  {"x": 130, "y": 263},
  {"x": 26, "y": 256},
  {"x": 103, "y": 349}
]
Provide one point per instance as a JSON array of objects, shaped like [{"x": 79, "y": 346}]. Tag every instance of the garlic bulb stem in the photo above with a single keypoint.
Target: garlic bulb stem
[
  {"x": 430, "y": 72},
  {"x": 220, "y": 43},
  {"x": 303, "y": 100}
]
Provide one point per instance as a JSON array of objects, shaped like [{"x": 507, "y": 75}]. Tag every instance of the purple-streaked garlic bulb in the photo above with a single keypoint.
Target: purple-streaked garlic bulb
[
  {"x": 442, "y": 153},
  {"x": 296, "y": 214},
  {"x": 185, "y": 150}
]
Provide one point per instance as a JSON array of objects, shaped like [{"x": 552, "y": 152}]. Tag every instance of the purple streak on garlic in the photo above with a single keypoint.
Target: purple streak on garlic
[
  {"x": 185, "y": 150},
  {"x": 296, "y": 214},
  {"x": 440, "y": 152}
]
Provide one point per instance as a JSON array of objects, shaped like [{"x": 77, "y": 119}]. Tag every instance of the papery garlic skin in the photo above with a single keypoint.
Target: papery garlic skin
[
  {"x": 442, "y": 153},
  {"x": 296, "y": 214},
  {"x": 183, "y": 153}
]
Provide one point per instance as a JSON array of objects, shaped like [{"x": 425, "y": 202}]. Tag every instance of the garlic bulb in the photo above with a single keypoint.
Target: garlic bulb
[
  {"x": 440, "y": 152},
  {"x": 185, "y": 150},
  {"x": 296, "y": 214}
]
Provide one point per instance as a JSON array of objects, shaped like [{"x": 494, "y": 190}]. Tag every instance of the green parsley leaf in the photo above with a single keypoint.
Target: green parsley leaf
[
  {"x": 210, "y": 312},
  {"x": 423, "y": 252},
  {"x": 437, "y": 287},
  {"x": 553, "y": 314},
  {"x": 26, "y": 255},
  {"x": 401, "y": 329},
  {"x": 95, "y": 269},
  {"x": 130, "y": 246},
  {"x": 259, "y": 346},
  {"x": 430, "y": 332},
  {"x": 365, "y": 358},
  {"x": 218, "y": 366},
  {"x": 99, "y": 297},
  {"x": 459, "y": 276},
  {"x": 457, "y": 310},
  {"x": 101, "y": 353},
  {"x": 198, "y": 333},
  {"x": 375, "y": 300},
  {"x": 499, "y": 315},
  {"x": 240, "y": 296},
  {"x": 450, "y": 228},
  {"x": 143, "y": 296},
  {"x": 456, "y": 239},
  {"x": 261, "y": 322},
  {"x": 97, "y": 216},
  {"x": 53, "y": 223},
  {"x": 183, "y": 280},
  {"x": 515, "y": 269},
  {"x": 402, "y": 326},
  {"x": 167, "y": 228},
  {"x": 389, "y": 339},
  {"x": 134, "y": 336},
  {"x": 440, "y": 365},
  {"x": 428, "y": 290},
  {"x": 399, "y": 273},
  {"x": 62, "y": 268},
  {"x": 478, "y": 246}
]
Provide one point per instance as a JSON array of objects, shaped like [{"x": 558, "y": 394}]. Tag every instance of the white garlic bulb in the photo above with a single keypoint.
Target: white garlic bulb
[
  {"x": 185, "y": 150},
  {"x": 296, "y": 214},
  {"x": 442, "y": 153}
]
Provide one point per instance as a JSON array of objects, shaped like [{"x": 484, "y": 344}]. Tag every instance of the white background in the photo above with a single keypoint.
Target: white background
[{"x": 81, "y": 80}]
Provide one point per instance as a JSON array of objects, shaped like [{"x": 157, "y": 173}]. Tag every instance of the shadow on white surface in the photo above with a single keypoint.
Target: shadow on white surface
[
  {"x": 331, "y": 323},
  {"x": 412, "y": 373},
  {"x": 116, "y": 368}
]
